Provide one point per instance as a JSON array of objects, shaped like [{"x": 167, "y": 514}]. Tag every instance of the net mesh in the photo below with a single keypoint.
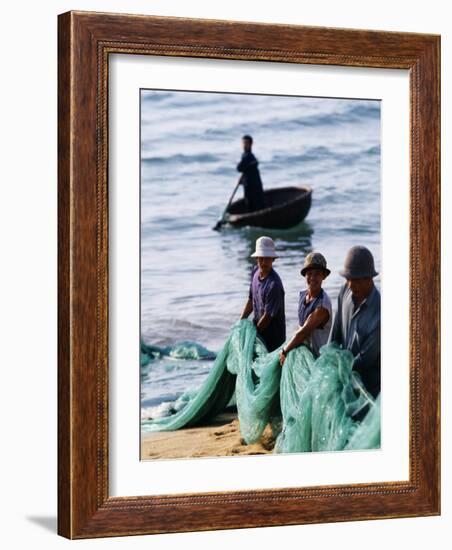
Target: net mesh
[{"x": 312, "y": 404}]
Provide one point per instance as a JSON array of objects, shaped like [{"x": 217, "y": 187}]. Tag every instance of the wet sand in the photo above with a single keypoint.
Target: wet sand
[{"x": 220, "y": 438}]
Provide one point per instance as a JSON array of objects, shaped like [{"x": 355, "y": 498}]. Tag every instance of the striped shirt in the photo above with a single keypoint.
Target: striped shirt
[{"x": 319, "y": 337}]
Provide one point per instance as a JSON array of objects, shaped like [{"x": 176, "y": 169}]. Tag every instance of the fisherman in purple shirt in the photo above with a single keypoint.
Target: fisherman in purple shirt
[{"x": 266, "y": 296}]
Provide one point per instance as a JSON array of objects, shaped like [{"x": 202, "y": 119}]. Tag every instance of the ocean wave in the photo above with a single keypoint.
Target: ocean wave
[
  {"x": 166, "y": 379},
  {"x": 321, "y": 153},
  {"x": 375, "y": 150},
  {"x": 365, "y": 109},
  {"x": 176, "y": 99},
  {"x": 179, "y": 157},
  {"x": 310, "y": 155},
  {"x": 155, "y": 96},
  {"x": 166, "y": 408},
  {"x": 356, "y": 113},
  {"x": 180, "y": 350}
]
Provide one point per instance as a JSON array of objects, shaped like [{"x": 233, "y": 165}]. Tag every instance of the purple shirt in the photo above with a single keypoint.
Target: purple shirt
[{"x": 267, "y": 296}]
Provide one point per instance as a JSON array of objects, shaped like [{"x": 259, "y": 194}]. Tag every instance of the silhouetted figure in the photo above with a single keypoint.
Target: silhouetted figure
[{"x": 251, "y": 179}]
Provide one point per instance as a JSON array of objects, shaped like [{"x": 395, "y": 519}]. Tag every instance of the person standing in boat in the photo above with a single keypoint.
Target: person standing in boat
[
  {"x": 251, "y": 179},
  {"x": 314, "y": 308},
  {"x": 266, "y": 296},
  {"x": 356, "y": 325}
]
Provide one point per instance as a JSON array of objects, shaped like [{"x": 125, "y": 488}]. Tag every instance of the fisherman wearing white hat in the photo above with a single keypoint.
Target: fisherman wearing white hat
[
  {"x": 314, "y": 308},
  {"x": 356, "y": 326},
  {"x": 266, "y": 296}
]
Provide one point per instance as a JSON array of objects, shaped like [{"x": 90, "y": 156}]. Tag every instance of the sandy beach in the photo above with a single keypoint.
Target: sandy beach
[{"x": 220, "y": 438}]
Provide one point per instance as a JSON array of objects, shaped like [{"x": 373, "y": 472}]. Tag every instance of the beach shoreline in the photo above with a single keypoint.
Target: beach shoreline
[{"x": 220, "y": 437}]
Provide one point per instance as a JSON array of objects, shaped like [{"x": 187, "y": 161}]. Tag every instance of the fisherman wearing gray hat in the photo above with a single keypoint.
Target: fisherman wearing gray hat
[
  {"x": 314, "y": 308},
  {"x": 266, "y": 296},
  {"x": 356, "y": 325}
]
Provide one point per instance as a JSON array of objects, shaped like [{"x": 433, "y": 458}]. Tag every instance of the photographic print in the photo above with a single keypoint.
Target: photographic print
[
  {"x": 260, "y": 274},
  {"x": 259, "y": 319}
]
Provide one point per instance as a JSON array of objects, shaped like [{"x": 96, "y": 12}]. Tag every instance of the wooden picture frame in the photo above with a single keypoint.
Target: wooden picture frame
[{"x": 85, "y": 42}]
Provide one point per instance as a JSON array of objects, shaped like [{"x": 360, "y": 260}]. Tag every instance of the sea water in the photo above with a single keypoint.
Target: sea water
[{"x": 194, "y": 281}]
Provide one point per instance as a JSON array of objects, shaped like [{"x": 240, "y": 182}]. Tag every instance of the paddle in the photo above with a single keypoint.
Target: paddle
[{"x": 222, "y": 220}]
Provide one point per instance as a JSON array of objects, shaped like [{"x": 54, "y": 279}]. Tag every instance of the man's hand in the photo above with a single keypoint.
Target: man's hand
[
  {"x": 263, "y": 322},
  {"x": 282, "y": 358},
  {"x": 247, "y": 309}
]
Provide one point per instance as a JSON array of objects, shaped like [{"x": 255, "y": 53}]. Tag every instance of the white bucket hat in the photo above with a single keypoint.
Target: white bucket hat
[{"x": 265, "y": 248}]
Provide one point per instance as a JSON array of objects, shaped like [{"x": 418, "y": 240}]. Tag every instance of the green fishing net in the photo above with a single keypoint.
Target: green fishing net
[{"x": 317, "y": 401}]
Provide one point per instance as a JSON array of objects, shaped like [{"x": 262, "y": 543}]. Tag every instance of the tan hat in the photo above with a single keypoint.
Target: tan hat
[
  {"x": 315, "y": 260},
  {"x": 265, "y": 248}
]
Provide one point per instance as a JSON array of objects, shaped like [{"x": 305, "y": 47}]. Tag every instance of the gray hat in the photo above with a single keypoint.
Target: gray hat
[
  {"x": 359, "y": 264},
  {"x": 315, "y": 260}
]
